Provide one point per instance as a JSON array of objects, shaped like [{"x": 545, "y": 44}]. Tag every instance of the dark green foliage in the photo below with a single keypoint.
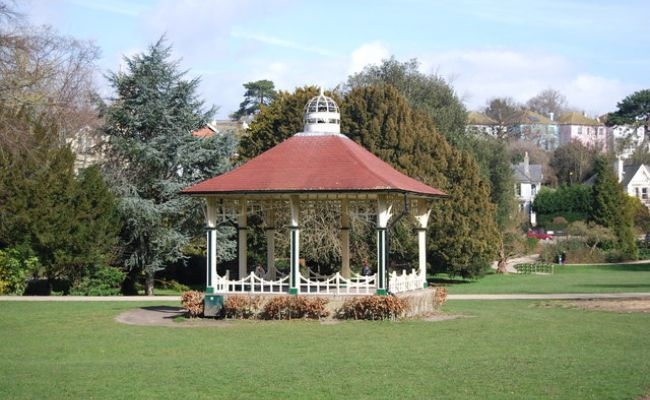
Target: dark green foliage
[
  {"x": 462, "y": 227},
  {"x": 614, "y": 209},
  {"x": 573, "y": 163},
  {"x": 258, "y": 94},
  {"x": 428, "y": 93},
  {"x": 491, "y": 155},
  {"x": 275, "y": 123},
  {"x": 153, "y": 155},
  {"x": 68, "y": 222},
  {"x": 565, "y": 199},
  {"x": 633, "y": 110},
  {"x": 15, "y": 268},
  {"x": 102, "y": 281}
]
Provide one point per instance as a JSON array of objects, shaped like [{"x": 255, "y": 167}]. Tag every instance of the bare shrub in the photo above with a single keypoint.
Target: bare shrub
[
  {"x": 242, "y": 307},
  {"x": 192, "y": 302},
  {"x": 373, "y": 308},
  {"x": 295, "y": 307}
]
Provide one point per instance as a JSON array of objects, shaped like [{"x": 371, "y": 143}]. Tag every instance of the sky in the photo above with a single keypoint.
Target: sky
[{"x": 594, "y": 52}]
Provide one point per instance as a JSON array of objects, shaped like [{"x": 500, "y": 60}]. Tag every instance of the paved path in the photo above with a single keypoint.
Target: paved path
[{"x": 554, "y": 296}]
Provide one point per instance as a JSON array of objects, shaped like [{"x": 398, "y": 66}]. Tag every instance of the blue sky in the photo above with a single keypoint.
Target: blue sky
[{"x": 594, "y": 52}]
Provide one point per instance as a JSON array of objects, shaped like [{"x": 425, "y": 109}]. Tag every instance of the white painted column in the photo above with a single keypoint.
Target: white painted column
[
  {"x": 242, "y": 231},
  {"x": 294, "y": 257},
  {"x": 270, "y": 242},
  {"x": 384, "y": 212},
  {"x": 211, "y": 244},
  {"x": 345, "y": 238},
  {"x": 422, "y": 213}
]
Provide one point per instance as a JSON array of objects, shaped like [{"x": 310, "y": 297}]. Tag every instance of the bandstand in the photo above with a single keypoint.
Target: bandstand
[{"x": 317, "y": 165}]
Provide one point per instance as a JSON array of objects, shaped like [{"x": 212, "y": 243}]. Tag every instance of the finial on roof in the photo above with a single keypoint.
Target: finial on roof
[{"x": 322, "y": 115}]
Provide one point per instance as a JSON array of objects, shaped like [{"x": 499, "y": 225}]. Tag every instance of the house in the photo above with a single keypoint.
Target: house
[
  {"x": 635, "y": 180},
  {"x": 219, "y": 126},
  {"x": 624, "y": 139},
  {"x": 590, "y": 132},
  {"x": 538, "y": 129},
  {"x": 526, "y": 126},
  {"x": 528, "y": 181},
  {"x": 480, "y": 123}
]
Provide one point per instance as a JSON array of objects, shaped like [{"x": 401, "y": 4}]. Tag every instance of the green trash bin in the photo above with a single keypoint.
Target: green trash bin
[{"x": 213, "y": 305}]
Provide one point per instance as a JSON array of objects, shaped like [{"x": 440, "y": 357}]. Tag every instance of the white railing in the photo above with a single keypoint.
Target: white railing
[
  {"x": 251, "y": 284},
  {"x": 337, "y": 284},
  {"x": 405, "y": 282},
  {"x": 334, "y": 285}
]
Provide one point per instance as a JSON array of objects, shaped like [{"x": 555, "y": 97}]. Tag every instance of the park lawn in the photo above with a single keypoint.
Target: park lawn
[
  {"x": 499, "y": 350},
  {"x": 614, "y": 278}
]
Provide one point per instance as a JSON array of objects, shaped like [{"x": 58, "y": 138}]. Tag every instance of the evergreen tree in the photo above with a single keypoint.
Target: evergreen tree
[
  {"x": 461, "y": 227},
  {"x": 428, "y": 93},
  {"x": 275, "y": 123},
  {"x": 258, "y": 94},
  {"x": 153, "y": 155},
  {"x": 613, "y": 209},
  {"x": 66, "y": 221}
]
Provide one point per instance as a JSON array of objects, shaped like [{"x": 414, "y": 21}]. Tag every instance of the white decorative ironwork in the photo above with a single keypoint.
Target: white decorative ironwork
[{"x": 333, "y": 285}]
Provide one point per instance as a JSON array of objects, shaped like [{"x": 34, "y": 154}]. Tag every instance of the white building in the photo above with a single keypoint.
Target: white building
[{"x": 528, "y": 181}]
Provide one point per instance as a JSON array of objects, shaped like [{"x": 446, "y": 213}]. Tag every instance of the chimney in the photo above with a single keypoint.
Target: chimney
[
  {"x": 619, "y": 169},
  {"x": 526, "y": 164}
]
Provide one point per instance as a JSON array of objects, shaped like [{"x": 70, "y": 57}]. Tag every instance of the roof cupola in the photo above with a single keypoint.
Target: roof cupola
[{"x": 322, "y": 115}]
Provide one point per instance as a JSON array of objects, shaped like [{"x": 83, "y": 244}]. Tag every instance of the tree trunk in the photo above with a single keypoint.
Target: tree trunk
[
  {"x": 501, "y": 265},
  {"x": 148, "y": 283}
]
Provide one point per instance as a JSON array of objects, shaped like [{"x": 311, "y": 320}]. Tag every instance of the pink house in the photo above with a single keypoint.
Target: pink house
[{"x": 589, "y": 132}]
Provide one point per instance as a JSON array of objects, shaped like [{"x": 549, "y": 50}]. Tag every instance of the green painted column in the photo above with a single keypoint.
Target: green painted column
[
  {"x": 211, "y": 241},
  {"x": 242, "y": 231},
  {"x": 422, "y": 213},
  {"x": 345, "y": 239},
  {"x": 294, "y": 258},
  {"x": 384, "y": 212}
]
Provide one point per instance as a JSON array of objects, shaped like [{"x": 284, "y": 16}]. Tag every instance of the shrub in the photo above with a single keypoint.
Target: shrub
[
  {"x": 172, "y": 285},
  {"x": 105, "y": 281},
  {"x": 440, "y": 297},
  {"x": 192, "y": 302},
  {"x": 14, "y": 270},
  {"x": 242, "y": 307},
  {"x": 295, "y": 307},
  {"x": 373, "y": 308}
]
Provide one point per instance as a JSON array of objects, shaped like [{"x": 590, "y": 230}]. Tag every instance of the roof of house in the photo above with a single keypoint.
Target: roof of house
[
  {"x": 527, "y": 117},
  {"x": 309, "y": 162},
  {"x": 629, "y": 171},
  {"x": 477, "y": 118},
  {"x": 533, "y": 175},
  {"x": 576, "y": 118}
]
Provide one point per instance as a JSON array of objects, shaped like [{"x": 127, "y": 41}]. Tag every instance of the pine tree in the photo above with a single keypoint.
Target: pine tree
[
  {"x": 153, "y": 155},
  {"x": 461, "y": 227},
  {"x": 66, "y": 221},
  {"x": 613, "y": 209}
]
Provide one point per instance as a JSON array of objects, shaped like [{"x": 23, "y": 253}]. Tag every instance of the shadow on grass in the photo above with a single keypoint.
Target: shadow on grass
[
  {"x": 640, "y": 286},
  {"x": 173, "y": 312}
]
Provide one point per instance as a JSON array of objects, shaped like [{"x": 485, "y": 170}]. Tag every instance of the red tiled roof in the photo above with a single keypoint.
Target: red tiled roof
[
  {"x": 203, "y": 132},
  {"x": 313, "y": 163}
]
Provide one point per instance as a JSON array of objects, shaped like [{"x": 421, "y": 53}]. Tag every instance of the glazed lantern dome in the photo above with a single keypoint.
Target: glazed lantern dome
[{"x": 322, "y": 115}]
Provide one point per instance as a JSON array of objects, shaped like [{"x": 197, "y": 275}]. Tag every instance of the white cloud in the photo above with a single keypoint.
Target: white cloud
[
  {"x": 367, "y": 54},
  {"x": 594, "y": 94},
  {"x": 481, "y": 74}
]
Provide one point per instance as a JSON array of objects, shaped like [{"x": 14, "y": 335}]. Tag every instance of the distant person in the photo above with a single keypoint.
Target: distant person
[
  {"x": 259, "y": 271},
  {"x": 365, "y": 271}
]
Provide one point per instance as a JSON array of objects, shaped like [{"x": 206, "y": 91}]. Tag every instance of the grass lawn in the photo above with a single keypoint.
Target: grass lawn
[
  {"x": 566, "y": 279},
  {"x": 502, "y": 350}
]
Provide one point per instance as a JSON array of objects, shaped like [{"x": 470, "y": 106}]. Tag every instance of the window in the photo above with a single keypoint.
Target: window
[
  {"x": 644, "y": 193},
  {"x": 636, "y": 192},
  {"x": 517, "y": 189}
]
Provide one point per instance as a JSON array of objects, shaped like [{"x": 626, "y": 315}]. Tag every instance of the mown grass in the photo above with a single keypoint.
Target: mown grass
[
  {"x": 615, "y": 278},
  {"x": 500, "y": 350}
]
